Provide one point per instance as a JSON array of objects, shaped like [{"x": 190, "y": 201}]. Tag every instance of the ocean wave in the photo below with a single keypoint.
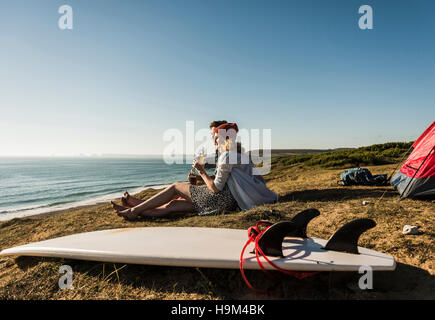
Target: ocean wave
[
  {"x": 25, "y": 209},
  {"x": 62, "y": 205}
]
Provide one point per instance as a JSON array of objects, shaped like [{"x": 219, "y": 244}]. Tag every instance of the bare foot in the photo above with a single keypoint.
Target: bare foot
[
  {"x": 130, "y": 201},
  {"x": 128, "y": 214},
  {"x": 125, "y": 202},
  {"x": 117, "y": 207},
  {"x": 124, "y": 212}
]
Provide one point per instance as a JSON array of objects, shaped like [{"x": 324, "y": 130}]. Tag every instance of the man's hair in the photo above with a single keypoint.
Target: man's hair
[{"x": 217, "y": 123}]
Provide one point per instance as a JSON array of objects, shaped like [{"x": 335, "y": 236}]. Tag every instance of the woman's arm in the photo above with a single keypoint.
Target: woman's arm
[{"x": 209, "y": 181}]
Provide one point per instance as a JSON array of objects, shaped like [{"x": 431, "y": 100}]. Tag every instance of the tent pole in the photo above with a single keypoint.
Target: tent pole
[
  {"x": 391, "y": 175},
  {"x": 404, "y": 190}
]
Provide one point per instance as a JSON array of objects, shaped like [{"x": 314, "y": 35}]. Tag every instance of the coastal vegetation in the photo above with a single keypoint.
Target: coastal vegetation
[{"x": 368, "y": 156}]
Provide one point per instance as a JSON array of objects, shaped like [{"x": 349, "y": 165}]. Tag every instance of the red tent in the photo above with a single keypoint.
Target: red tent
[{"x": 416, "y": 177}]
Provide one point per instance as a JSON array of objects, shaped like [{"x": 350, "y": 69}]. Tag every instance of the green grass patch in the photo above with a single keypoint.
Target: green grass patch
[{"x": 377, "y": 154}]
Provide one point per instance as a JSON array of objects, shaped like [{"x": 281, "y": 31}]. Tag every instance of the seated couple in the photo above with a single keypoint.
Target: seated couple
[{"x": 233, "y": 185}]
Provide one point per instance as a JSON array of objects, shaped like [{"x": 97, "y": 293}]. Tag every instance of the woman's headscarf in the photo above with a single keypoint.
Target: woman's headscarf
[{"x": 227, "y": 127}]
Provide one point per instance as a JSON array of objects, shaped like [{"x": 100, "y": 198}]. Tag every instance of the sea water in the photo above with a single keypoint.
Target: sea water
[{"x": 30, "y": 186}]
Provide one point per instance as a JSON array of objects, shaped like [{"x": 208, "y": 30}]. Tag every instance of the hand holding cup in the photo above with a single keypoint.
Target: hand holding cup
[{"x": 198, "y": 166}]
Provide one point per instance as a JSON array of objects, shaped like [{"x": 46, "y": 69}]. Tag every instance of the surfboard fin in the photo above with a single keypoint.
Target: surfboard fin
[
  {"x": 346, "y": 238},
  {"x": 302, "y": 219},
  {"x": 271, "y": 240}
]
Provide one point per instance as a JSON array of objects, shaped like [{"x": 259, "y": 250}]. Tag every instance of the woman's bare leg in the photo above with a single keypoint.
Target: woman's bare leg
[{"x": 180, "y": 189}]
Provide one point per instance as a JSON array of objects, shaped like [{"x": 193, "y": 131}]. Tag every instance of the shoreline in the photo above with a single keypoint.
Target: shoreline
[{"x": 84, "y": 204}]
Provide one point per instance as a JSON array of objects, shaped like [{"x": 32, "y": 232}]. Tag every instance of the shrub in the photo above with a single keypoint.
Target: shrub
[{"x": 376, "y": 154}]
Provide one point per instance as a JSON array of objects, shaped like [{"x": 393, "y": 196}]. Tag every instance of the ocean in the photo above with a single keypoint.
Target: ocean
[{"x": 30, "y": 186}]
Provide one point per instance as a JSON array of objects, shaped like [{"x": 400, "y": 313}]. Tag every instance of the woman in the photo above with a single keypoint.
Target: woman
[{"x": 233, "y": 186}]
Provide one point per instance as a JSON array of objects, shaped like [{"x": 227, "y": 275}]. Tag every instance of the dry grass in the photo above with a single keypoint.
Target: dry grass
[{"x": 37, "y": 278}]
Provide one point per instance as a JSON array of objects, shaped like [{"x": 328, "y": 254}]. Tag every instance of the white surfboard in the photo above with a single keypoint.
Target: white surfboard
[{"x": 198, "y": 247}]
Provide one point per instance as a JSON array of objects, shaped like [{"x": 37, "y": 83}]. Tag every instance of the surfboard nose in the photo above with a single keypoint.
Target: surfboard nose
[{"x": 6, "y": 252}]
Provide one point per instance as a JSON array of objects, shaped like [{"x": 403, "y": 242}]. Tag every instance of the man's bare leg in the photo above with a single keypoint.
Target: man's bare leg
[
  {"x": 174, "y": 208},
  {"x": 130, "y": 201}
]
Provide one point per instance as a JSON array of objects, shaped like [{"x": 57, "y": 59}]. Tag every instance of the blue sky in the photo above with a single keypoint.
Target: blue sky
[{"x": 129, "y": 70}]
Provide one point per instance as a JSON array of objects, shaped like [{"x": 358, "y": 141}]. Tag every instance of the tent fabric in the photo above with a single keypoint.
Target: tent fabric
[
  {"x": 416, "y": 177},
  {"x": 422, "y": 187}
]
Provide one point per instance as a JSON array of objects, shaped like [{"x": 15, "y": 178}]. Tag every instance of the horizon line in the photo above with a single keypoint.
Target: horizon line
[{"x": 108, "y": 155}]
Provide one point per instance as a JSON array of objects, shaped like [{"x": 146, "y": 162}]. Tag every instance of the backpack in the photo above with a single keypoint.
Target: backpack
[{"x": 361, "y": 176}]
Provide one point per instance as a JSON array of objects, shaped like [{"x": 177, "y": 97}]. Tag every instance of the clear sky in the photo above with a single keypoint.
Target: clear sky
[{"x": 129, "y": 70}]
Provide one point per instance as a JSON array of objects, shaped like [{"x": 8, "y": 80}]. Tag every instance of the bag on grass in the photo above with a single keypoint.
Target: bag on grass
[{"x": 362, "y": 177}]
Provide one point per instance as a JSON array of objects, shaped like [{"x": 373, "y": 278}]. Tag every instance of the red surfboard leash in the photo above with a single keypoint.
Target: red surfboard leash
[{"x": 254, "y": 234}]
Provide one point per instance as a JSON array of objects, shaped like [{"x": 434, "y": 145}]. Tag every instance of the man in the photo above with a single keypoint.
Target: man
[{"x": 214, "y": 124}]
